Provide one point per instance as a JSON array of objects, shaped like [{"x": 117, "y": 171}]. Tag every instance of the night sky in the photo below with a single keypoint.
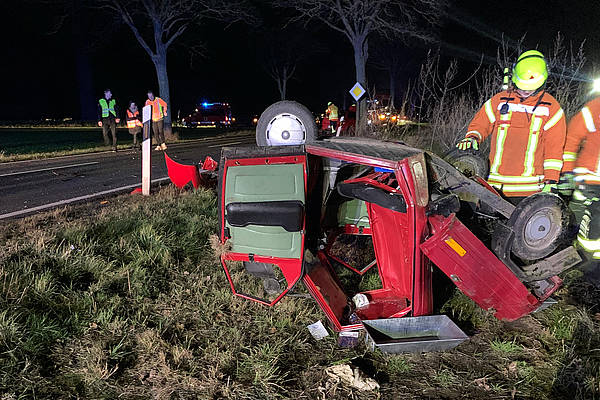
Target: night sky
[{"x": 47, "y": 58}]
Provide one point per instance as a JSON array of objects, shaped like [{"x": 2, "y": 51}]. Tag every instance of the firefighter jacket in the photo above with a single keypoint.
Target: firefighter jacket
[
  {"x": 159, "y": 108},
  {"x": 332, "y": 112},
  {"x": 582, "y": 147},
  {"x": 133, "y": 119},
  {"x": 528, "y": 137}
]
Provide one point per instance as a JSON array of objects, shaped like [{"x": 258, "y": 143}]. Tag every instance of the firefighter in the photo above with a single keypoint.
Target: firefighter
[
  {"x": 333, "y": 116},
  {"x": 159, "y": 111},
  {"x": 581, "y": 172},
  {"x": 528, "y": 130},
  {"x": 134, "y": 125},
  {"x": 107, "y": 118}
]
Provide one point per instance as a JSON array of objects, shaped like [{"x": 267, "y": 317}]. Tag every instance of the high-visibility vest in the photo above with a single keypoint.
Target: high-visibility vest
[
  {"x": 133, "y": 119},
  {"x": 333, "y": 112},
  {"x": 108, "y": 107},
  {"x": 159, "y": 108}
]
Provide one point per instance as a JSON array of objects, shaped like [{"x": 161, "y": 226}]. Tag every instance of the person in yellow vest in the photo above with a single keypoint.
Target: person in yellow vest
[
  {"x": 107, "y": 117},
  {"x": 159, "y": 111},
  {"x": 134, "y": 125},
  {"x": 333, "y": 115}
]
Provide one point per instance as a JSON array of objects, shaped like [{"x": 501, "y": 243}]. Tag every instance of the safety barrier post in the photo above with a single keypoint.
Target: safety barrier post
[{"x": 146, "y": 150}]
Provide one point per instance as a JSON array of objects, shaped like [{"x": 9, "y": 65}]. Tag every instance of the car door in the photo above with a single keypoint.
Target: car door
[{"x": 262, "y": 198}]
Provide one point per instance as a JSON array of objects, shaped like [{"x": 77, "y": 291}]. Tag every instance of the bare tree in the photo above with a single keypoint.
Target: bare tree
[
  {"x": 391, "y": 56},
  {"x": 282, "y": 51},
  {"x": 157, "y": 24},
  {"x": 358, "y": 19},
  {"x": 280, "y": 59}
]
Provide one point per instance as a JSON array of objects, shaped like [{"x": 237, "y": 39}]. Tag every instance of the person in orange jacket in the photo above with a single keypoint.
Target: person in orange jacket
[
  {"x": 528, "y": 130},
  {"x": 159, "y": 111},
  {"x": 134, "y": 125},
  {"x": 581, "y": 173}
]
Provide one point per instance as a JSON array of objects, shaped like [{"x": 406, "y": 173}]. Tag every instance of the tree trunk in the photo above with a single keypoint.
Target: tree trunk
[
  {"x": 361, "y": 54},
  {"x": 392, "y": 88},
  {"x": 160, "y": 63},
  {"x": 280, "y": 87},
  {"x": 284, "y": 87},
  {"x": 87, "y": 103}
]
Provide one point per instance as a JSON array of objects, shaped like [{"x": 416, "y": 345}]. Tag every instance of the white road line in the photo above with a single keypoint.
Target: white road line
[
  {"x": 50, "y": 169},
  {"x": 174, "y": 145},
  {"x": 224, "y": 144},
  {"x": 74, "y": 199}
]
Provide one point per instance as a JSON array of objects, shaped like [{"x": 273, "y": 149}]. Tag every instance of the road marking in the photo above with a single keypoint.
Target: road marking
[
  {"x": 51, "y": 168},
  {"x": 224, "y": 144},
  {"x": 174, "y": 145},
  {"x": 75, "y": 199}
]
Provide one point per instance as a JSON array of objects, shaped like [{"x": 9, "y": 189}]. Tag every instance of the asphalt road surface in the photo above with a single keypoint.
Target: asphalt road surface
[{"x": 31, "y": 186}]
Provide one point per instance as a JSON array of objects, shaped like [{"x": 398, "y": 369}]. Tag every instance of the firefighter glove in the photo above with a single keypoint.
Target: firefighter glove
[
  {"x": 468, "y": 143},
  {"x": 566, "y": 184},
  {"x": 550, "y": 186}
]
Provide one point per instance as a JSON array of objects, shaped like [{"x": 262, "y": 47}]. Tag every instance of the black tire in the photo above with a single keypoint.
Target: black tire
[
  {"x": 288, "y": 109},
  {"x": 468, "y": 162},
  {"x": 542, "y": 224}
]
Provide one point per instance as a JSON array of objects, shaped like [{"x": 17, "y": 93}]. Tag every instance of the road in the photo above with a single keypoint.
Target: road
[{"x": 31, "y": 186}]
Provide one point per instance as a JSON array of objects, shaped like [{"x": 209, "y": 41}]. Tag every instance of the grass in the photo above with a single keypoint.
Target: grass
[
  {"x": 19, "y": 144},
  {"x": 127, "y": 300}
]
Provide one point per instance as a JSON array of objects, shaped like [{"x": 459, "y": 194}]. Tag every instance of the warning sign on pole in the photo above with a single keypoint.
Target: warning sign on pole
[
  {"x": 146, "y": 150},
  {"x": 357, "y": 91}
]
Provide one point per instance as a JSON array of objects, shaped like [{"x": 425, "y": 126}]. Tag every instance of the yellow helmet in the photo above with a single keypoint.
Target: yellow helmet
[{"x": 530, "y": 71}]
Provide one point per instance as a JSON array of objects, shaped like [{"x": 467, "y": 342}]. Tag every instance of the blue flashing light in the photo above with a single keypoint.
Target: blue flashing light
[{"x": 205, "y": 104}]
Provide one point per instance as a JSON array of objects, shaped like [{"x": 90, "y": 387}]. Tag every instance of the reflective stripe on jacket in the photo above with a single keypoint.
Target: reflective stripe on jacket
[
  {"x": 582, "y": 147},
  {"x": 133, "y": 119},
  {"x": 107, "y": 108},
  {"x": 527, "y": 141},
  {"x": 332, "y": 110},
  {"x": 159, "y": 108}
]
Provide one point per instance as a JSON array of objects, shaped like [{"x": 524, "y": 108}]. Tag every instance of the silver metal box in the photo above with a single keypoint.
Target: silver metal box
[{"x": 413, "y": 334}]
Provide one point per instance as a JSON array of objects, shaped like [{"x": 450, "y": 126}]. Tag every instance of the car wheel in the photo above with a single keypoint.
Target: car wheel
[
  {"x": 285, "y": 123},
  {"x": 542, "y": 223},
  {"x": 469, "y": 163}
]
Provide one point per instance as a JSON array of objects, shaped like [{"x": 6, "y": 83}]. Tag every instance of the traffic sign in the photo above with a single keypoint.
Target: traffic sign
[{"x": 357, "y": 91}]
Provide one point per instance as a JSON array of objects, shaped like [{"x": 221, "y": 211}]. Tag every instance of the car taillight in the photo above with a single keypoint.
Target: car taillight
[{"x": 419, "y": 173}]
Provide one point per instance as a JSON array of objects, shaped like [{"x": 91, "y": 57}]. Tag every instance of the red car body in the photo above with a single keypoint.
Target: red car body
[{"x": 409, "y": 236}]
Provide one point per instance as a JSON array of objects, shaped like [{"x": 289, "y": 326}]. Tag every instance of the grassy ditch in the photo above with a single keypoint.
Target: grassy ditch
[{"x": 126, "y": 299}]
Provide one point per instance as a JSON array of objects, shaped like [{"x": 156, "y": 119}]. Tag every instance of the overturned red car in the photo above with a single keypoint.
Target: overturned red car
[{"x": 282, "y": 208}]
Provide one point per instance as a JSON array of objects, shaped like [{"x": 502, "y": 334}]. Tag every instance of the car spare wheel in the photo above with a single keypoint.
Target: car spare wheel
[
  {"x": 469, "y": 162},
  {"x": 542, "y": 223},
  {"x": 285, "y": 123}
]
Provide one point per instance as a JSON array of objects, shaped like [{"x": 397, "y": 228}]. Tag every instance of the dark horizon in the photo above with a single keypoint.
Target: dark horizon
[{"x": 60, "y": 73}]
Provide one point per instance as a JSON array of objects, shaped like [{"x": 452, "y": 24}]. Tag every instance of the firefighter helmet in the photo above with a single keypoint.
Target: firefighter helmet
[{"x": 530, "y": 71}]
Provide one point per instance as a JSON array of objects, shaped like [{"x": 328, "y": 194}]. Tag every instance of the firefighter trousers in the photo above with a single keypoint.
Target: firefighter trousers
[
  {"x": 585, "y": 204},
  {"x": 134, "y": 132},
  {"x": 158, "y": 130},
  {"x": 109, "y": 124}
]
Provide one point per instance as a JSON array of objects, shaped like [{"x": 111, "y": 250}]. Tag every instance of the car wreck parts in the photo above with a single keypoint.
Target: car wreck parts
[{"x": 281, "y": 207}]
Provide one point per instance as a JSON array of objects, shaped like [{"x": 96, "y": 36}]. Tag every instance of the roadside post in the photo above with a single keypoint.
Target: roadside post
[{"x": 146, "y": 150}]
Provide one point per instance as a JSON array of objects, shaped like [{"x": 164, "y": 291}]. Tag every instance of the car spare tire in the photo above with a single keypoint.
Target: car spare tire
[
  {"x": 542, "y": 223},
  {"x": 285, "y": 123},
  {"x": 468, "y": 162}
]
